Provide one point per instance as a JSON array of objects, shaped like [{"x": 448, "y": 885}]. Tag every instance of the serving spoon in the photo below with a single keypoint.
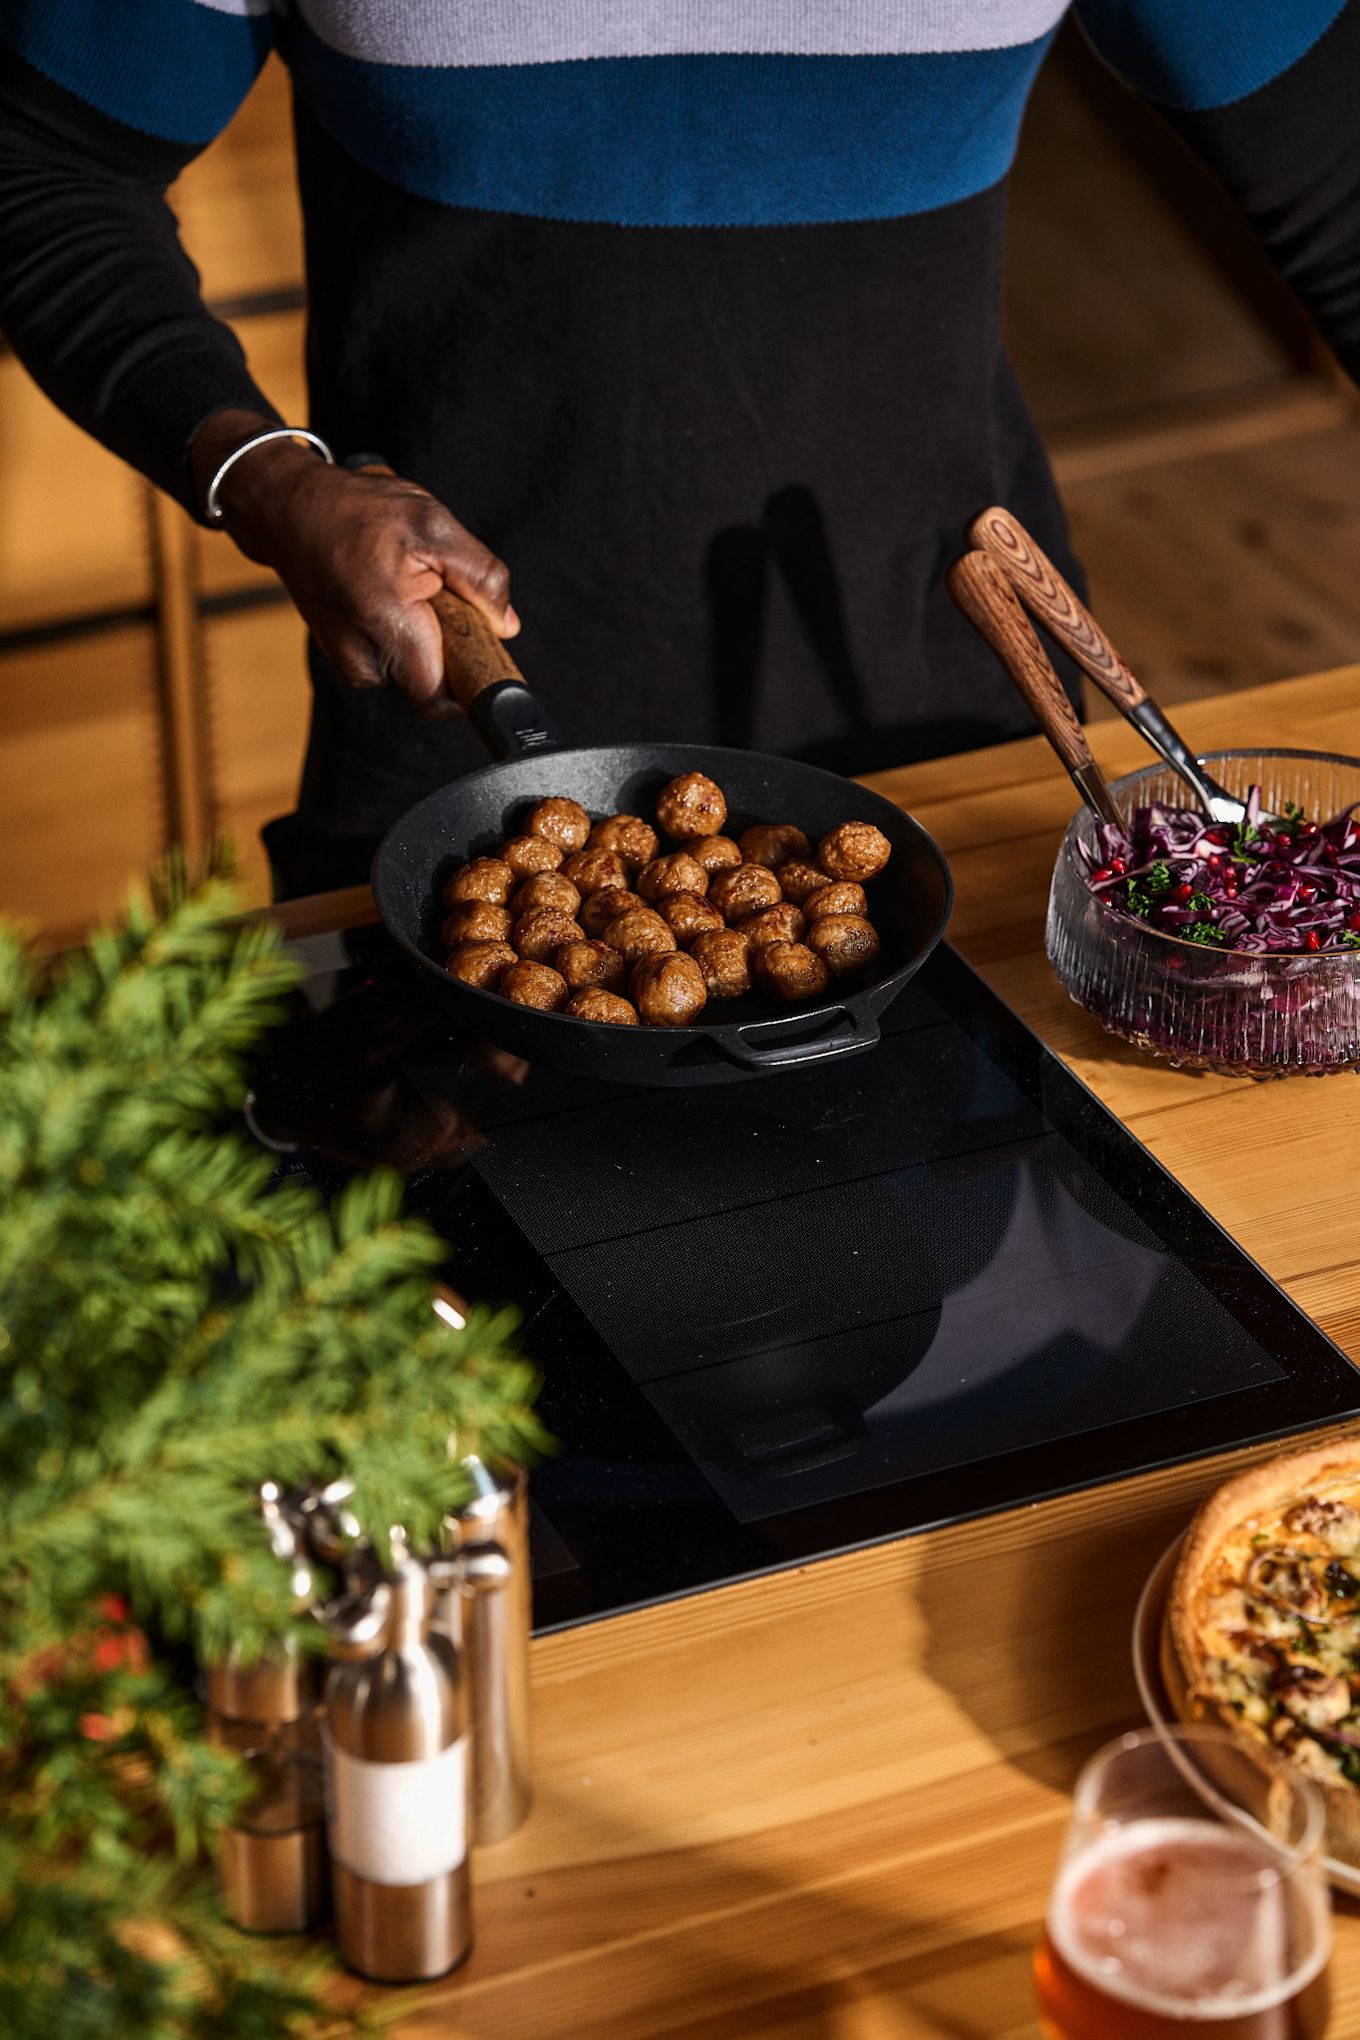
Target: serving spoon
[
  {"x": 986, "y": 597},
  {"x": 1062, "y": 612}
]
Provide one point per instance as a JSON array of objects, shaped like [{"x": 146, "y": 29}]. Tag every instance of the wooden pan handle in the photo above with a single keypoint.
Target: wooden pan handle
[
  {"x": 474, "y": 657},
  {"x": 1056, "y": 604},
  {"x": 989, "y": 602}
]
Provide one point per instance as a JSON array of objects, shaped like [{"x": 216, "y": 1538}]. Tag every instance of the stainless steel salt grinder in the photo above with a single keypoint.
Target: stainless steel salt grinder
[
  {"x": 486, "y": 1607},
  {"x": 272, "y": 1860},
  {"x": 396, "y": 1789}
]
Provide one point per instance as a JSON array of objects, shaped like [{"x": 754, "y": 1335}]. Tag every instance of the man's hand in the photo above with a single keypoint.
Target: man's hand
[{"x": 361, "y": 555}]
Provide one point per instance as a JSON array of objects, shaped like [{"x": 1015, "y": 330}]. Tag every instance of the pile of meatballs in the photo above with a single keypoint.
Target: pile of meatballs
[{"x": 596, "y": 920}]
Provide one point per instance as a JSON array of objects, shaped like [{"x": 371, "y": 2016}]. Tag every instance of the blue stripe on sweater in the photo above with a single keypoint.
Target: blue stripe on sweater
[
  {"x": 166, "y": 67},
  {"x": 1197, "y": 54},
  {"x": 682, "y": 141}
]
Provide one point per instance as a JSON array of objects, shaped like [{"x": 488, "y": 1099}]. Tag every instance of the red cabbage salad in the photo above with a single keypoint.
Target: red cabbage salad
[{"x": 1267, "y": 885}]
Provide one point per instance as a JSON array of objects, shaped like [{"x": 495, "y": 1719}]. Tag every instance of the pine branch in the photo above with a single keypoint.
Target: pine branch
[{"x": 176, "y": 1327}]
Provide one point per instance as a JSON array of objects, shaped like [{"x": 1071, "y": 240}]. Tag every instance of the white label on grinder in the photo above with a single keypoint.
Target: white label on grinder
[{"x": 397, "y": 1823}]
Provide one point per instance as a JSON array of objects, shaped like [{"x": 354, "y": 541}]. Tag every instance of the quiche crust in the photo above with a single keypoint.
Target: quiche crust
[{"x": 1271, "y": 1662}]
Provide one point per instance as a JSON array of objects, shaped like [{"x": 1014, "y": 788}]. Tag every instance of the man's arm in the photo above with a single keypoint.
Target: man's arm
[
  {"x": 1266, "y": 93},
  {"x": 103, "y": 306}
]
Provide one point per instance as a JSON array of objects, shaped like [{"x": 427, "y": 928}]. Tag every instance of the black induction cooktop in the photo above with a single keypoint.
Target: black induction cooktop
[{"x": 811, "y": 1311}]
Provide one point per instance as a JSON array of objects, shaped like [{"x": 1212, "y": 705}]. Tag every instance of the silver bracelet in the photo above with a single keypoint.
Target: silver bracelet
[{"x": 212, "y": 510}]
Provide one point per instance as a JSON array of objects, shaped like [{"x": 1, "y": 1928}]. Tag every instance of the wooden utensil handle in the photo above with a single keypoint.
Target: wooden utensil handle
[
  {"x": 474, "y": 657},
  {"x": 989, "y": 602},
  {"x": 1056, "y": 604}
]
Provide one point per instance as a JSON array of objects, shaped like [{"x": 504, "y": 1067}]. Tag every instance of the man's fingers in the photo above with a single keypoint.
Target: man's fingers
[
  {"x": 472, "y": 571},
  {"x": 399, "y": 647}
]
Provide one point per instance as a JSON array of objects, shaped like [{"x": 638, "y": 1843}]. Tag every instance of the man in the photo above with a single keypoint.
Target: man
[{"x": 687, "y": 309}]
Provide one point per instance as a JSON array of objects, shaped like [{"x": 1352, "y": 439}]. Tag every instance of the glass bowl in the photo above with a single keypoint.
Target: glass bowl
[{"x": 1239, "y": 1014}]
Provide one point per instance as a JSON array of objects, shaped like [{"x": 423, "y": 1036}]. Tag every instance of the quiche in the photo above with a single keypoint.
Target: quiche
[{"x": 1262, "y": 1629}]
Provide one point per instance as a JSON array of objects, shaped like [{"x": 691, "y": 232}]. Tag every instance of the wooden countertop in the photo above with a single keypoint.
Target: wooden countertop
[{"x": 827, "y": 1805}]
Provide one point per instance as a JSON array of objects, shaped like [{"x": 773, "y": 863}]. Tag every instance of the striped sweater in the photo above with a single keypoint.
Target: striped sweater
[{"x": 689, "y": 307}]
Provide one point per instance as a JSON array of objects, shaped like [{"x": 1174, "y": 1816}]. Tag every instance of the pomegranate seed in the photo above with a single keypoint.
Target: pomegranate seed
[
  {"x": 1118, "y": 866},
  {"x": 1180, "y": 893},
  {"x": 1103, "y": 873},
  {"x": 1354, "y": 922},
  {"x": 1283, "y": 840},
  {"x": 1306, "y": 891},
  {"x": 1312, "y": 940},
  {"x": 1308, "y": 829}
]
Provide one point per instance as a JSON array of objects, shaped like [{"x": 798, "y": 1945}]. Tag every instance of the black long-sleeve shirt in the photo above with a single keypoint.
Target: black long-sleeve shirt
[{"x": 693, "y": 314}]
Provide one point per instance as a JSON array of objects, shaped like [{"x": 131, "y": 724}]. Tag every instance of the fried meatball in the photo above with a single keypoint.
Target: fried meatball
[
  {"x": 592, "y": 871},
  {"x": 534, "y": 984},
  {"x": 845, "y": 898},
  {"x": 724, "y": 957},
  {"x": 480, "y": 963},
  {"x": 581, "y": 964},
  {"x": 564, "y": 822},
  {"x": 783, "y": 923},
  {"x": 855, "y": 850},
  {"x": 541, "y": 932},
  {"x": 789, "y": 972},
  {"x": 773, "y": 843},
  {"x": 668, "y": 991},
  {"x": 603, "y": 907},
  {"x": 715, "y": 853},
  {"x": 638, "y": 934},
  {"x": 596, "y": 1004},
  {"x": 486, "y": 878},
  {"x": 628, "y": 836},
  {"x": 692, "y": 805},
  {"x": 744, "y": 890},
  {"x": 676, "y": 873},
  {"x": 527, "y": 854},
  {"x": 687, "y": 914},
  {"x": 845, "y": 942},
  {"x": 475, "y": 921},
  {"x": 800, "y": 878},
  {"x": 545, "y": 889}
]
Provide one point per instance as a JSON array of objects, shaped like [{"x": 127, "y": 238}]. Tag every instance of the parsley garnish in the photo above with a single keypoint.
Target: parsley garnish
[
  {"x": 1200, "y": 903},
  {"x": 1204, "y": 932},
  {"x": 1351, "y": 939},
  {"x": 1158, "y": 880}
]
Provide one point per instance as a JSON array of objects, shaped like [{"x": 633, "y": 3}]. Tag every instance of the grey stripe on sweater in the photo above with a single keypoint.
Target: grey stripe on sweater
[{"x": 452, "y": 33}]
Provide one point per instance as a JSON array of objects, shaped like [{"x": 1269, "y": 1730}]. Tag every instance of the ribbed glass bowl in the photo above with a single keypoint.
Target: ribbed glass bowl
[{"x": 1203, "y": 1008}]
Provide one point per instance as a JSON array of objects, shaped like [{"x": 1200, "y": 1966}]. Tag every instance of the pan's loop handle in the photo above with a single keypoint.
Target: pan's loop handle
[
  {"x": 1056, "y": 604},
  {"x": 479, "y": 672},
  {"x": 847, "y": 1033}
]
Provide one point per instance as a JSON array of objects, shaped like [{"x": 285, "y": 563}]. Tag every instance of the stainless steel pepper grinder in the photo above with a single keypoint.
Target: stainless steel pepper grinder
[
  {"x": 272, "y": 1858},
  {"x": 397, "y": 1786},
  {"x": 484, "y": 1605}
]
